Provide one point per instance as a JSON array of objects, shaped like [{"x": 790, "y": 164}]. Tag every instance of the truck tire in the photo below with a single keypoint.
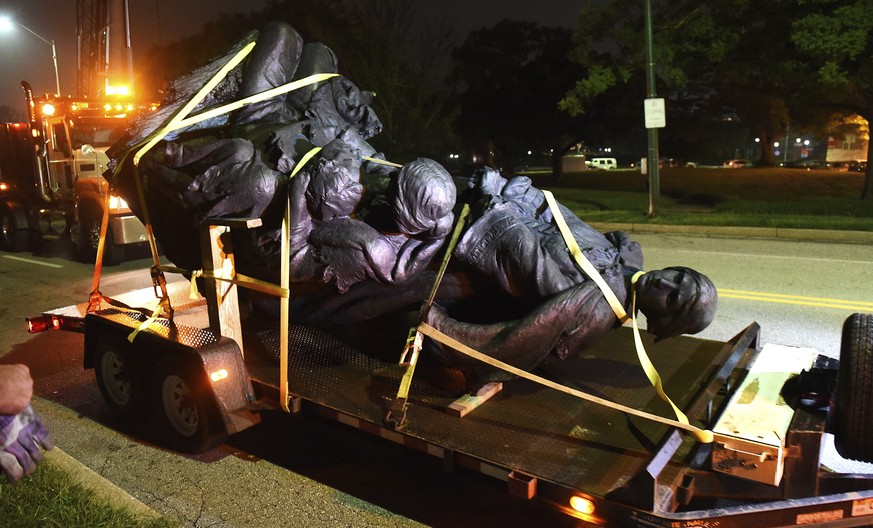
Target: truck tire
[
  {"x": 853, "y": 401},
  {"x": 119, "y": 378},
  {"x": 89, "y": 238},
  {"x": 12, "y": 236},
  {"x": 185, "y": 408}
]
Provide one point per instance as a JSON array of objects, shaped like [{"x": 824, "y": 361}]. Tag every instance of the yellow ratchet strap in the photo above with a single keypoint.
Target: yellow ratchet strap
[
  {"x": 148, "y": 322},
  {"x": 582, "y": 261},
  {"x": 410, "y": 354},
  {"x": 617, "y": 307},
  {"x": 431, "y": 332},
  {"x": 284, "y": 281},
  {"x": 181, "y": 120},
  {"x": 383, "y": 162},
  {"x": 284, "y": 309}
]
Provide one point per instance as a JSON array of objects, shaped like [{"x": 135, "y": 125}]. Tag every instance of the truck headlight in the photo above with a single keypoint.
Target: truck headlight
[{"x": 117, "y": 202}]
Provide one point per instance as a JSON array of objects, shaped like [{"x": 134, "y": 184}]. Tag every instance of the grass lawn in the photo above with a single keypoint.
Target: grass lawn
[
  {"x": 51, "y": 498},
  {"x": 753, "y": 197}
]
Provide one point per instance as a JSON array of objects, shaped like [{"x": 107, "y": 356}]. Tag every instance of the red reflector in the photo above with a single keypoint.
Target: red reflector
[{"x": 36, "y": 325}]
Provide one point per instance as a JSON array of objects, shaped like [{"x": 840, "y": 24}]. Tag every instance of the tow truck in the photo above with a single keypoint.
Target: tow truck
[
  {"x": 51, "y": 170},
  {"x": 590, "y": 438}
]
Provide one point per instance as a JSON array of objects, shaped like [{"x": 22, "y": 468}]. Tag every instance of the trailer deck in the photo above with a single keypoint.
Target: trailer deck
[{"x": 543, "y": 443}]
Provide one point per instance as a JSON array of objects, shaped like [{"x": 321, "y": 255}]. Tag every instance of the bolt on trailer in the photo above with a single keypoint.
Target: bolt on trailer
[{"x": 202, "y": 372}]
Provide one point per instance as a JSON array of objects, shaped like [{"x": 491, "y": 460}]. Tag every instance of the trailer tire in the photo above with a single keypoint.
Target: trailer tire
[
  {"x": 12, "y": 236},
  {"x": 89, "y": 237},
  {"x": 853, "y": 401},
  {"x": 119, "y": 379},
  {"x": 186, "y": 411}
]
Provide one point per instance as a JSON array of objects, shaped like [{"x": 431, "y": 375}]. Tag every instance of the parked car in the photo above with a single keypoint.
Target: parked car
[
  {"x": 814, "y": 164},
  {"x": 602, "y": 163},
  {"x": 737, "y": 163},
  {"x": 858, "y": 166}
]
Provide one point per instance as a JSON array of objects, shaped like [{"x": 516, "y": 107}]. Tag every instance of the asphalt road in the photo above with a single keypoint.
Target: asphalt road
[{"x": 302, "y": 471}]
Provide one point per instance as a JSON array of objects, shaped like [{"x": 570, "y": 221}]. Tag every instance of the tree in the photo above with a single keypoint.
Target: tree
[
  {"x": 837, "y": 37},
  {"x": 11, "y": 115},
  {"x": 512, "y": 77},
  {"x": 716, "y": 62},
  {"x": 404, "y": 62}
]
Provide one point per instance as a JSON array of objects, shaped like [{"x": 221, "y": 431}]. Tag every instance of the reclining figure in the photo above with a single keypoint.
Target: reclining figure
[{"x": 364, "y": 235}]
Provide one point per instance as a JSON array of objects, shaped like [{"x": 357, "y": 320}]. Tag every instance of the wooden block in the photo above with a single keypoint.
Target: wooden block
[{"x": 465, "y": 404}]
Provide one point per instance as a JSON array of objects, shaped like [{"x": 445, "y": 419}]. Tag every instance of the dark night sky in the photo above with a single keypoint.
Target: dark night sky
[{"x": 24, "y": 57}]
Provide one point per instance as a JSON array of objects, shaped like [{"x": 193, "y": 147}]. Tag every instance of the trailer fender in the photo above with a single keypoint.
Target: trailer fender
[
  {"x": 224, "y": 367},
  {"x": 219, "y": 363}
]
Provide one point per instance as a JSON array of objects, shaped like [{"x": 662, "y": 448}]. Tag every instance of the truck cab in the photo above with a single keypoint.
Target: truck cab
[{"x": 53, "y": 167}]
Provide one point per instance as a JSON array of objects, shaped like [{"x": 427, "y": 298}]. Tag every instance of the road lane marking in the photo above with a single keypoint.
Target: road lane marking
[
  {"x": 31, "y": 261},
  {"x": 758, "y": 256},
  {"x": 819, "y": 302}
]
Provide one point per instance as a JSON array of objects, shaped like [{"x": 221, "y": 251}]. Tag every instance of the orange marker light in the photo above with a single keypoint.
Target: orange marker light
[
  {"x": 582, "y": 505},
  {"x": 218, "y": 375}
]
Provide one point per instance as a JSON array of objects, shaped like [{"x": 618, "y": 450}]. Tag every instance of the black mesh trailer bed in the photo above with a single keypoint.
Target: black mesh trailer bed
[{"x": 592, "y": 462}]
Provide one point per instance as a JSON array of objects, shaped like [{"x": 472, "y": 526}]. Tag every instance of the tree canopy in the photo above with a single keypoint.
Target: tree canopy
[
  {"x": 510, "y": 78},
  {"x": 763, "y": 65}
]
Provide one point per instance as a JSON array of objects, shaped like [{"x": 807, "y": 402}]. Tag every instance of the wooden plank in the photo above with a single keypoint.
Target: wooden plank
[{"x": 465, "y": 404}]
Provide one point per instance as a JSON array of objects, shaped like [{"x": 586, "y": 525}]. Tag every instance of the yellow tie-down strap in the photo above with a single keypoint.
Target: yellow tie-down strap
[
  {"x": 702, "y": 435},
  {"x": 618, "y": 308}
]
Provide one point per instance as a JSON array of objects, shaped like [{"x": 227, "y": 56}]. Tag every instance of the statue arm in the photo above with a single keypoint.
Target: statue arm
[
  {"x": 301, "y": 222},
  {"x": 413, "y": 256}
]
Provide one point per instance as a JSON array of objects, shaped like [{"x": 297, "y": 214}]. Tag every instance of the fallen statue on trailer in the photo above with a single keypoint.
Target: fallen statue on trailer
[{"x": 365, "y": 233}]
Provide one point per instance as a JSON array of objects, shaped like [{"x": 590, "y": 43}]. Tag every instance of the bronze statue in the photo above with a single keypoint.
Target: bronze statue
[{"x": 364, "y": 235}]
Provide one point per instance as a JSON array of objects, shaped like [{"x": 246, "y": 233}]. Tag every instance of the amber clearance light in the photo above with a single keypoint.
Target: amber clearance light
[{"x": 582, "y": 505}]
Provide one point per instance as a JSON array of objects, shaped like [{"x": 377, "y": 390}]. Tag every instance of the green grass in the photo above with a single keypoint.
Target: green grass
[
  {"x": 784, "y": 198},
  {"x": 50, "y": 498}
]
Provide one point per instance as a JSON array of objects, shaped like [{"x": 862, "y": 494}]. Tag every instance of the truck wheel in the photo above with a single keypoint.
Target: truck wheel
[
  {"x": 89, "y": 238},
  {"x": 118, "y": 378},
  {"x": 12, "y": 236},
  {"x": 853, "y": 402},
  {"x": 186, "y": 410}
]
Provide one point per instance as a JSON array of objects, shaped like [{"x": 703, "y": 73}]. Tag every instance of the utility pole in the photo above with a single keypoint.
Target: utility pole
[{"x": 654, "y": 110}]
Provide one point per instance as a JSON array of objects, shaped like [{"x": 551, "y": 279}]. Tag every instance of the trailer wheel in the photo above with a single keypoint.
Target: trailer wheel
[
  {"x": 89, "y": 238},
  {"x": 186, "y": 410},
  {"x": 118, "y": 378},
  {"x": 853, "y": 402},
  {"x": 12, "y": 236}
]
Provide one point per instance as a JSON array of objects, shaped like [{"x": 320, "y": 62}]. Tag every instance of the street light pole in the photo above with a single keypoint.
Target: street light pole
[
  {"x": 54, "y": 52},
  {"x": 652, "y": 158}
]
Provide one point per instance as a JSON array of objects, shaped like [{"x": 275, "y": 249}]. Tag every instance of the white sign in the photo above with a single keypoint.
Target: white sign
[{"x": 656, "y": 116}]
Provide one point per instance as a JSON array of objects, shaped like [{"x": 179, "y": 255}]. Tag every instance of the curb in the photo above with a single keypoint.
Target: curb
[
  {"x": 812, "y": 235},
  {"x": 103, "y": 488}
]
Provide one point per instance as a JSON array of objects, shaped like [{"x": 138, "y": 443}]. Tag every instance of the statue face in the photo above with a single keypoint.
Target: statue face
[{"x": 662, "y": 295}]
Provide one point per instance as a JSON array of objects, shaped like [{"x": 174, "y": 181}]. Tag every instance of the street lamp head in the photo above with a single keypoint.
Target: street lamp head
[{"x": 7, "y": 23}]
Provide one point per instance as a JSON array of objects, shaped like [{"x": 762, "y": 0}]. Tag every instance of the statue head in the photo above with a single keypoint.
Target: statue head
[
  {"x": 334, "y": 190},
  {"x": 425, "y": 195},
  {"x": 676, "y": 300}
]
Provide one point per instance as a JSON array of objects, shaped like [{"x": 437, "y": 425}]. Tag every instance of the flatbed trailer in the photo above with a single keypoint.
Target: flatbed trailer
[{"x": 594, "y": 463}]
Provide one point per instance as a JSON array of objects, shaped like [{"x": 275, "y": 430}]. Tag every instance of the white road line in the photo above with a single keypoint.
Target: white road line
[
  {"x": 31, "y": 261},
  {"x": 758, "y": 256}
]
